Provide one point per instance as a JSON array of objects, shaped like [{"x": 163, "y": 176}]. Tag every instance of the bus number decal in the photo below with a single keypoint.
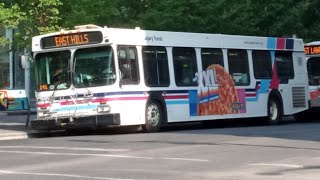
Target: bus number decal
[{"x": 43, "y": 87}]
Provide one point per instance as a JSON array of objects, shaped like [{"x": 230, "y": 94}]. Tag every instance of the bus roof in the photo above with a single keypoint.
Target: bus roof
[
  {"x": 177, "y": 39},
  {"x": 313, "y": 43}
]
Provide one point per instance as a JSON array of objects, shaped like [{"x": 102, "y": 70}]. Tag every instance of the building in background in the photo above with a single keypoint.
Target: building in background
[{"x": 6, "y": 58}]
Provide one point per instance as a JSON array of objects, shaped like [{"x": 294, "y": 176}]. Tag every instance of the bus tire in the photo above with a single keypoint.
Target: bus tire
[
  {"x": 154, "y": 117},
  {"x": 274, "y": 111}
]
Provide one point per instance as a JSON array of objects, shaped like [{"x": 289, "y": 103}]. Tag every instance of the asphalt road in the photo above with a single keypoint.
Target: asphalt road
[{"x": 231, "y": 151}]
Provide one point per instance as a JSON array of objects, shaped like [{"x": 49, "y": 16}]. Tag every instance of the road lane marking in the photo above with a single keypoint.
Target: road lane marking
[
  {"x": 60, "y": 175},
  {"x": 65, "y": 148},
  {"x": 186, "y": 159},
  {"x": 105, "y": 155},
  {"x": 278, "y": 165}
]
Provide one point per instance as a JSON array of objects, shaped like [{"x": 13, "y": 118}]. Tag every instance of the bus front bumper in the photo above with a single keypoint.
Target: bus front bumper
[{"x": 60, "y": 123}]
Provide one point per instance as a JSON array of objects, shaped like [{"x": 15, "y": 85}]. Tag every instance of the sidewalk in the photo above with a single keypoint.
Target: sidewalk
[{"x": 13, "y": 126}]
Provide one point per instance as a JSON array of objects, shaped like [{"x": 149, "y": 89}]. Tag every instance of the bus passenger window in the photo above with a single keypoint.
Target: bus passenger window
[
  {"x": 185, "y": 66},
  {"x": 155, "y": 65},
  {"x": 284, "y": 65},
  {"x": 211, "y": 56},
  {"x": 239, "y": 66},
  {"x": 262, "y": 66},
  {"x": 128, "y": 64}
]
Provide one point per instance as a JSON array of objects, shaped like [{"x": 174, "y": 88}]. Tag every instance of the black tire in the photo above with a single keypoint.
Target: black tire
[
  {"x": 154, "y": 117},
  {"x": 274, "y": 112}
]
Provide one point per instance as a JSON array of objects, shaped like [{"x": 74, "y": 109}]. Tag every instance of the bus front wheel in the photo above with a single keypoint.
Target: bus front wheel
[{"x": 154, "y": 116}]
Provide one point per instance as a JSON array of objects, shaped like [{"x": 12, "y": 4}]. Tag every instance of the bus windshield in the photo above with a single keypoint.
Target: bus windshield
[
  {"x": 313, "y": 65},
  {"x": 51, "y": 70},
  {"x": 94, "y": 67}
]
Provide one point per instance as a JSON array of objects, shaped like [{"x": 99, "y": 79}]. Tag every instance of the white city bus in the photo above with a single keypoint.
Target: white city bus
[
  {"x": 96, "y": 77},
  {"x": 312, "y": 51}
]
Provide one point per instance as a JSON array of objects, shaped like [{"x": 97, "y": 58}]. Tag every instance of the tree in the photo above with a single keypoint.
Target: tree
[
  {"x": 190, "y": 16},
  {"x": 311, "y": 20},
  {"x": 130, "y": 13},
  {"x": 243, "y": 17},
  {"x": 98, "y": 12},
  {"x": 112, "y": 13},
  {"x": 9, "y": 18},
  {"x": 29, "y": 18}
]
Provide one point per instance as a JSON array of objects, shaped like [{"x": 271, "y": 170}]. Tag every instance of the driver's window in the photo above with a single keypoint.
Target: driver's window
[{"x": 52, "y": 70}]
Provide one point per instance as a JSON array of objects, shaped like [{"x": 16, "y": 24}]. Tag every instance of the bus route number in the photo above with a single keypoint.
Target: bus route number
[{"x": 43, "y": 87}]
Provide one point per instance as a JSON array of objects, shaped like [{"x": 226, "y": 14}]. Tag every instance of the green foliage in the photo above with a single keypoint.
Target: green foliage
[
  {"x": 10, "y": 17},
  {"x": 4, "y": 41},
  {"x": 243, "y": 17},
  {"x": 98, "y": 12},
  {"x": 176, "y": 15},
  {"x": 29, "y": 18},
  {"x": 129, "y": 13}
]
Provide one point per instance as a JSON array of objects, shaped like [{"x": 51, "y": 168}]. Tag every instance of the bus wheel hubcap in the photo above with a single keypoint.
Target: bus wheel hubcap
[
  {"x": 153, "y": 114},
  {"x": 273, "y": 111}
]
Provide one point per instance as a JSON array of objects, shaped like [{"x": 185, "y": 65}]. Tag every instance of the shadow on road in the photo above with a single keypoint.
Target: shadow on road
[{"x": 235, "y": 127}]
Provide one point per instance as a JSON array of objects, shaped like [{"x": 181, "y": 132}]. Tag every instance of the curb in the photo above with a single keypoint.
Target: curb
[
  {"x": 12, "y": 113},
  {"x": 14, "y": 136},
  {"x": 13, "y": 125}
]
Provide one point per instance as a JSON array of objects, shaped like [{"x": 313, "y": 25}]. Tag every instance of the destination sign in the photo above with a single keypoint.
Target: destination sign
[
  {"x": 75, "y": 39},
  {"x": 310, "y": 50}
]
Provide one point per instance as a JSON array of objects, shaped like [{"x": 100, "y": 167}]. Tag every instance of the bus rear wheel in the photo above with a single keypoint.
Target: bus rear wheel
[
  {"x": 154, "y": 116},
  {"x": 274, "y": 112}
]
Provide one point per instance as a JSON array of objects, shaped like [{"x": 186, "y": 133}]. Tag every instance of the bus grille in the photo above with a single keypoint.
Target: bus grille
[{"x": 298, "y": 97}]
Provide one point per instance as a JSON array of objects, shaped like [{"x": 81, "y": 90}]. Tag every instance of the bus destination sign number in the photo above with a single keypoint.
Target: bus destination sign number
[
  {"x": 75, "y": 39},
  {"x": 43, "y": 87},
  {"x": 310, "y": 50}
]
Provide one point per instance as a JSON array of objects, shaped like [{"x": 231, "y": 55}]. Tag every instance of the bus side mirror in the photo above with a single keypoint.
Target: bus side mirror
[{"x": 23, "y": 61}]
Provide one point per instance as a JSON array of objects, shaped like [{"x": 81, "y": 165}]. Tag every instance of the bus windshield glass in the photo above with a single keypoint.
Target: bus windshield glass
[
  {"x": 313, "y": 65},
  {"x": 94, "y": 67},
  {"x": 51, "y": 70}
]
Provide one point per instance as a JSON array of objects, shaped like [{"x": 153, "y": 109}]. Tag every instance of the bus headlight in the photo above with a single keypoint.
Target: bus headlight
[{"x": 103, "y": 108}]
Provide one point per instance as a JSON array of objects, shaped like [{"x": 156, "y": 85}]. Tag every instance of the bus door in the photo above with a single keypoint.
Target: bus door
[
  {"x": 128, "y": 65},
  {"x": 129, "y": 79}
]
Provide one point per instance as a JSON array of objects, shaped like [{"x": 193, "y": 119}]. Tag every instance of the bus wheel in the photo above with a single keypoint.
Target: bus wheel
[
  {"x": 274, "y": 111},
  {"x": 154, "y": 117}
]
